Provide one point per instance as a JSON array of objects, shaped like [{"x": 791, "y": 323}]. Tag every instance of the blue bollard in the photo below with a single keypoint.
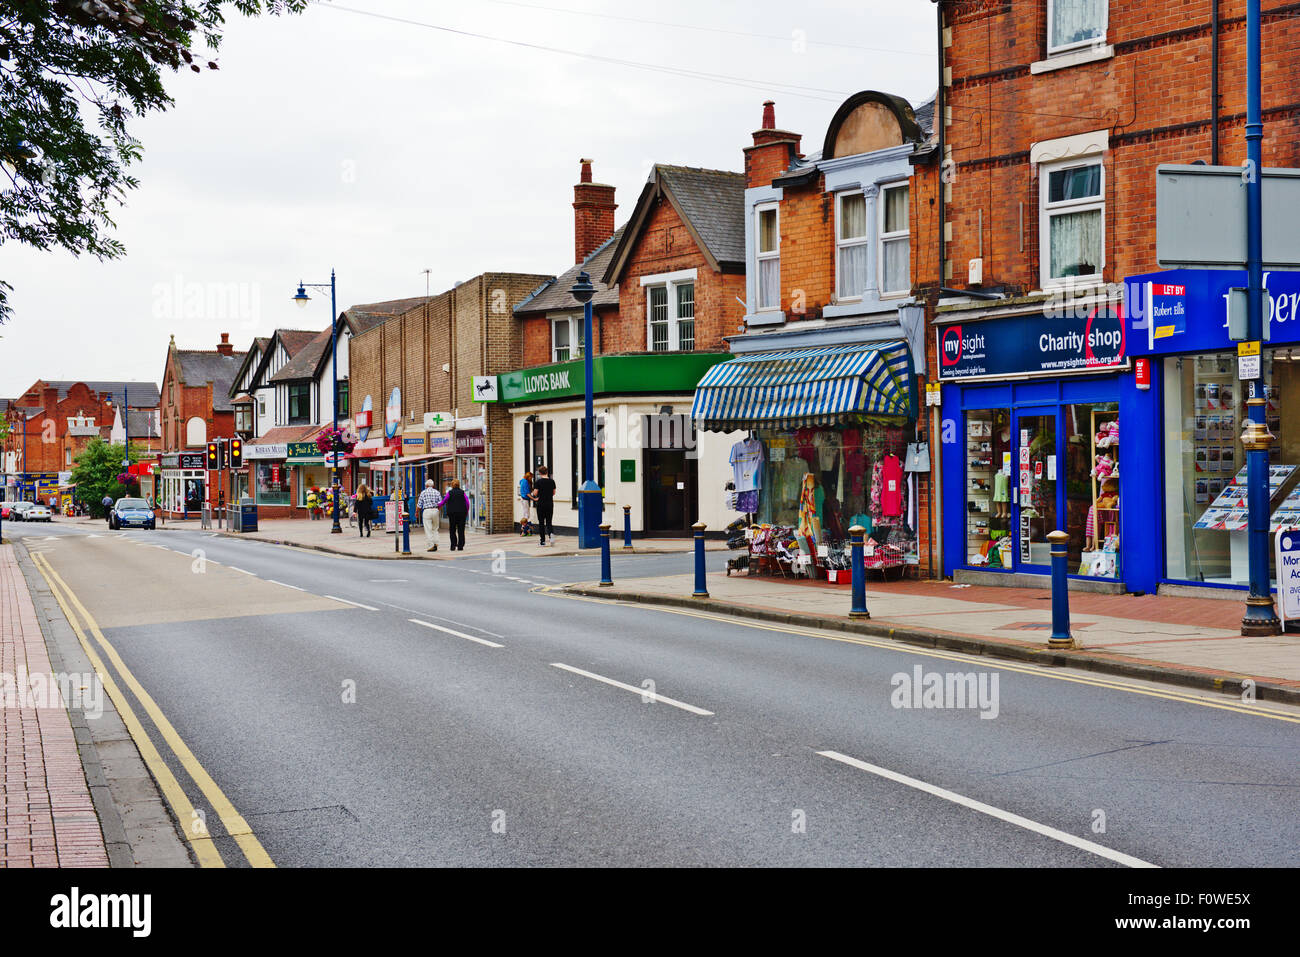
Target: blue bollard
[
  {"x": 700, "y": 590},
  {"x": 1061, "y": 637},
  {"x": 406, "y": 527},
  {"x": 627, "y": 528},
  {"x": 605, "y": 577},
  {"x": 858, "y": 606}
]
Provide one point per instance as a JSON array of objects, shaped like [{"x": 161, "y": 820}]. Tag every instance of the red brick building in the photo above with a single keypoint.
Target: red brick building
[
  {"x": 666, "y": 287},
  {"x": 1041, "y": 205}
]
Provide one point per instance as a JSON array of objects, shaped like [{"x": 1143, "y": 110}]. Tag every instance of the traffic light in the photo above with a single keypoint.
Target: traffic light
[
  {"x": 214, "y": 457},
  {"x": 236, "y": 453}
]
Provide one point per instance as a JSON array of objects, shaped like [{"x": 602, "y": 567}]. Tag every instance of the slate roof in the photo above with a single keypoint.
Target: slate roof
[
  {"x": 366, "y": 316},
  {"x": 925, "y": 116},
  {"x": 141, "y": 393},
  {"x": 554, "y": 296},
  {"x": 305, "y": 361},
  {"x": 198, "y": 367},
  {"x": 289, "y": 433},
  {"x": 710, "y": 201},
  {"x": 142, "y": 423}
]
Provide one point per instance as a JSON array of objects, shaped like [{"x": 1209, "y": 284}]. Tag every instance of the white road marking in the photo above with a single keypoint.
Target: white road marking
[
  {"x": 285, "y": 584},
  {"x": 356, "y": 603},
  {"x": 1085, "y": 845},
  {"x": 403, "y": 580},
  {"x": 635, "y": 690},
  {"x": 458, "y": 634},
  {"x": 236, "y": 568}
]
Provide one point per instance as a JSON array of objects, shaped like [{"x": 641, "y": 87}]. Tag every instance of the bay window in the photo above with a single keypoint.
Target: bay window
[
  {"x": 850, "y": 245},
  {"x": 768, "y": 258},
  {"x": 895, "y": 246}
]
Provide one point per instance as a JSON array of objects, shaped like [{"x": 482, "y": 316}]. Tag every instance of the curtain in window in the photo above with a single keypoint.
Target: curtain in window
[
  {"x": 895, "y": 266},
  {"x": 1074, "y": 21},
  {"x": 853, "y": 271},
  {"x": 561, "y": 340},
  {"x": 853, "y": 216},
  {"x": 895, "y": 210},
  {"x": 769, "y": 283},
  {"x": 1076, "y": 244}
]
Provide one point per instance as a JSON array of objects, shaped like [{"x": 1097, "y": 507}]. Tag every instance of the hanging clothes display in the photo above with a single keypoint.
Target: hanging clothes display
[
  {"x": 891, "y": 492},
  {"x": 747, "y": 464},
  {"x": 809, "y": 523}
]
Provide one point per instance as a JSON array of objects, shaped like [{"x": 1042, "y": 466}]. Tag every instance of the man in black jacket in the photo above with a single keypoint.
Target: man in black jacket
[
  {"x": 544, "y": 496},
  {"x": 456, "y": 507}
]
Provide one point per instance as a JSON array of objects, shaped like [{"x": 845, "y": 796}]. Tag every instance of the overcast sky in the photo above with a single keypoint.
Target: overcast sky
[{"x": 381, "y": 148}]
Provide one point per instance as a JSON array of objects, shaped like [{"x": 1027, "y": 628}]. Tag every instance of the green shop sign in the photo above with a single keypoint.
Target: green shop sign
[
  {"x": 304, "y": 453},
  {"x": 646, "y": 373}
]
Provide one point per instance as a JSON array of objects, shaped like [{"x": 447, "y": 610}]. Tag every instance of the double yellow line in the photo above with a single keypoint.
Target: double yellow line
[
  {"x": 192, "y": 823},
  {"x": 1038, "y": 671}
]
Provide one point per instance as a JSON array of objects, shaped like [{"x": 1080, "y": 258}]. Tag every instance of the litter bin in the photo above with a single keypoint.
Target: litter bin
[{"x": 244, "y": 517}]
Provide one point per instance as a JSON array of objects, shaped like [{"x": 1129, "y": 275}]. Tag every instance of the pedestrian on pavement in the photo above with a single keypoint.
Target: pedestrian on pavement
[
  {"x": 107, "y": 502},
  {"x": 364, "y": 497},
  {"x": 544, "y": 497},
  {"x": 456, "y": 505},
  {"x": 427, "y": 511},
  {"x": 526, "y": 497},
  {"x": 352, "y": 510}
]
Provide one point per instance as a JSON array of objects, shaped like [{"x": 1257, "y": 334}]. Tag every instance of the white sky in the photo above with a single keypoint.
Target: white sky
[{"x": 384, "y": 149}]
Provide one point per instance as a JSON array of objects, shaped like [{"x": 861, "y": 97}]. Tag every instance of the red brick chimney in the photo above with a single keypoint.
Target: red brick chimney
[
  {"x": 772, "y": 152},
  {"x": 224, "y": 346},
  {"x": 593, "y": 213}
]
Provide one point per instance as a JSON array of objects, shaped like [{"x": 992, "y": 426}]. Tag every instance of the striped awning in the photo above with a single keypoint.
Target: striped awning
[{"x": 826, "y": 385}]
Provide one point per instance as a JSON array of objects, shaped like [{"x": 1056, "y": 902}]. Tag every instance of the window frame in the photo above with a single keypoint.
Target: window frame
[
  {"x": 671, "y": 286},
  {"x": 1048, "y": 210},
  {"x": 760, "y": 256},
  {"x": 576, "y": 343},
  {"x": 899, "y": 234},
  {"x": 840, "y": 243},
  {"x": 303, "y": 418},
  {"x": 1077, "y": 44}
]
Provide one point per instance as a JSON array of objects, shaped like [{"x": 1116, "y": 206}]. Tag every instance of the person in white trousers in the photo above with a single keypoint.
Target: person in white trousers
[{"x": 428, "y": 503}]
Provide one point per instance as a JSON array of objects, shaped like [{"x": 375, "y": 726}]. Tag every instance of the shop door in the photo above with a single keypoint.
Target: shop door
[
  {"x": 473, "y": 479},
  {"x": 1033, "y": 482},
  {"x": 671, "y": 492}
]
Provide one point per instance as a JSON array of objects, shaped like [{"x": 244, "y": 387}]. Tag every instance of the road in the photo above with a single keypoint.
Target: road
[{"x": 360, "y": 712}]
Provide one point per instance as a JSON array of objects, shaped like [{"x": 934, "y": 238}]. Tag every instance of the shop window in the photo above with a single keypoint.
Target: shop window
[
  {"x": 768, "y": 257},
  {"x": 989, "y": 488},
  {"x": 310, "y": 477},
  {"x": 1072, "y": 222},
  {"x": 1092, "y": 489},
  {"x": 895, "y": 245},
  {"x": 1075, "y": 23},
  {"x": 272, "y": 486},
  {"x": 850, "y": 246},
  {"x": 577, "y": 430},
  {"x": 1206, "y": 520}
]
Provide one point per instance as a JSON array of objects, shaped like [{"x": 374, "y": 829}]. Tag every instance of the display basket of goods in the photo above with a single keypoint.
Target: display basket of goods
[{"x": 885, "y": 562}]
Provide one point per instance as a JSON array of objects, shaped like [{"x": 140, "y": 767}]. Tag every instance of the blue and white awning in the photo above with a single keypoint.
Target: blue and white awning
[{"x": 825, "y": 385}]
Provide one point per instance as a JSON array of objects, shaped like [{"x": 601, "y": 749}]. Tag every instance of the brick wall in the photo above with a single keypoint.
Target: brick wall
[{"x": 1153, "y": 97}]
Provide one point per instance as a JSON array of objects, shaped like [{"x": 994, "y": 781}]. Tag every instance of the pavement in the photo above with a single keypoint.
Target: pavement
[
  {"x": 1188, "y": 641},
  {"x": 474, "y": 713},
  {"x": 306, "y": 533},
  {"x": 47, "y": 818}
]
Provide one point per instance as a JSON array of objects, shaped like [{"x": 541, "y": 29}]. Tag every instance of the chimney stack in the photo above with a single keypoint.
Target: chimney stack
[
  {"x": 593, "y": 213},
  {"x": 773, "y": 150},
  {"x": 224, "y": 346}
]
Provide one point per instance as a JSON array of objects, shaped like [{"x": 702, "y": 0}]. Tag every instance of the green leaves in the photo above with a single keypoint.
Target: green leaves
[
  {"x": 63, "y": 62},
  {"x": 96, "y": 471}
]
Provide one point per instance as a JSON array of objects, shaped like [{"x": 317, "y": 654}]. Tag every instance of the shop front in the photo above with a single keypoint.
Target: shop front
[
  {"x": 183, "y": 483},
  {"x": 649, "y": 455},
  {"x": 1193, "y": 404},
  {"x": 819, "y": 444},
  {"x": 472, "y": 466},
  {"x": 1031, "y": 443}
]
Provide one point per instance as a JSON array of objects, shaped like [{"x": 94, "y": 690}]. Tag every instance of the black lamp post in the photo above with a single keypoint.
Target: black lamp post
[{"x": 301, "y": 298}]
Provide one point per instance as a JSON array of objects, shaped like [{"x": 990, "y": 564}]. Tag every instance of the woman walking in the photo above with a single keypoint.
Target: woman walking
[
  {"x": 364, "y": 498},
  {"x": 456, "y": 508},
  {"x": 526, "y": 497}
]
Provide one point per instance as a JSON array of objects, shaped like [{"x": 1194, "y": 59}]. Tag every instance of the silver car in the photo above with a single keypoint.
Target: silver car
[{"x": 37, "y": 513}]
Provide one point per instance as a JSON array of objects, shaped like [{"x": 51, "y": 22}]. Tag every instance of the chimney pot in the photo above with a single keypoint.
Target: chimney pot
[
  {"x": 224, "y": 346},
  {"x": 585, "y": 176},
  {"x": 769, "y": 115}
]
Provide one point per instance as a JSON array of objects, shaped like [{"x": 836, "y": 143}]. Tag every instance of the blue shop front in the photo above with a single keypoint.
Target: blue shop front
[
  {"x": 1188, "y": 423},
  {"x": 1031, "y": 440}
]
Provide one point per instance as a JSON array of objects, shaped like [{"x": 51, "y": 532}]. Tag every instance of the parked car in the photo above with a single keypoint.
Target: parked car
[
  {"x": 16, "y": 510},
  {"x": 131, "y": 512},
  {"x": 4, "y": 508},
  {"x": 36, "y": 512}
]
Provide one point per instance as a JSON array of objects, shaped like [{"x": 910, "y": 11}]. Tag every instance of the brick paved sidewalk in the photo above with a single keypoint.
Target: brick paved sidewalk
[
  {"x": 47, "y": 818},
  {"x": 1183, "y": 638}
]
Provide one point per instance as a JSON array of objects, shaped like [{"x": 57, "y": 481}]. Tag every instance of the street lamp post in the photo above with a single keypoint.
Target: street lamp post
[
  {"x": 590, "y": 502},
  {"x": 301, "y": 298}
]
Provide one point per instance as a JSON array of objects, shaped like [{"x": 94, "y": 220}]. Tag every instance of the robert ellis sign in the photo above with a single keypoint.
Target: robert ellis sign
[{"x": 1031, "y": 345}]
